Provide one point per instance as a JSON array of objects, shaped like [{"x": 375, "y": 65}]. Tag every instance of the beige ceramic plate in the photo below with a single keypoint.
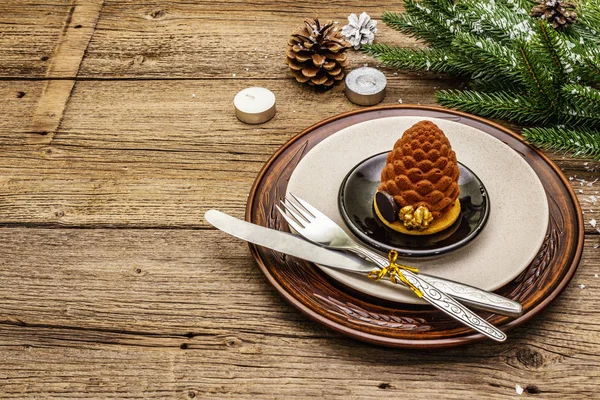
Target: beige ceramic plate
[{"x": 519, "y": 209}]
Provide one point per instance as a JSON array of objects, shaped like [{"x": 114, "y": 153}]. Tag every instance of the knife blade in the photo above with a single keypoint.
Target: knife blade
[
  {"x": 285, "y": 243},
  {"x": 292, "y": 245}
]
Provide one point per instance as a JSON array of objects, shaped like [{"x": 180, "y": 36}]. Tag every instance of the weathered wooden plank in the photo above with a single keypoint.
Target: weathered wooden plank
[
  {"x": 19, "y": 101},
  {"x": 159, "y": 153},
  {"x": 29, "y": 30},
  {"x": 210, "y": 39},
  {"x": 140, "y": 313},
  {"x": 124, "y": 146}
]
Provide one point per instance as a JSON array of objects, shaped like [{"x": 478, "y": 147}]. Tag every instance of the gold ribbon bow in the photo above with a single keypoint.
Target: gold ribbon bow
[{"x": 395, "y": 274}]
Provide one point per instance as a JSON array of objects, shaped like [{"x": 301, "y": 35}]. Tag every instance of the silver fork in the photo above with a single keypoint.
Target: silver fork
[
  {"x": 420, "y": 287},
  {"x": 318, "y": 228}
]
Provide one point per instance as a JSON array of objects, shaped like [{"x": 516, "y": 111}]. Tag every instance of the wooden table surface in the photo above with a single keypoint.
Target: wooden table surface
[{"x": 118, "y": 133}]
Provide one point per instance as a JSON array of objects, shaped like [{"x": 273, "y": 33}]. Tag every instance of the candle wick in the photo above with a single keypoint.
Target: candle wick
[{"x": 250, "y": 95}]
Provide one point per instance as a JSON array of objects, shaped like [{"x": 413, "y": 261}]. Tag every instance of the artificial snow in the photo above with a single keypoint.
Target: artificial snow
[{"x": 518, "y": 389}]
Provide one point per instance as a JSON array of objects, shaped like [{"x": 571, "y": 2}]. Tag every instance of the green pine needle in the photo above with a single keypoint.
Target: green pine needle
[
  {"x": 416, "y": 27},
  {"x": 501, "y": 105},
  {"x": 536, "y": 76},
  {"x": 584, "y": 98},
  {"x": 437, "y": 60},
  {"x": 581, "y": 142},
  {"x": 551, "y": 44},
  {"x": 519, "y": 68},
  {"x": 485, "y": 58}
]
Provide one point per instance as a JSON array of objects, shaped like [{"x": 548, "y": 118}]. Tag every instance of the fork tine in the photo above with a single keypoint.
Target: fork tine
[
  {"x": 291, "y": 222},
  {"x": 311, "y": 210},
  {"x": 294, "y": 213},
  {"x": 290, "y": 204}
]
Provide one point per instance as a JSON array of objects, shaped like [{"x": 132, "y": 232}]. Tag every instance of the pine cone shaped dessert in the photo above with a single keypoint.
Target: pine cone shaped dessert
[
  {"x": 316, "y": 54},
  {"x": 559, "y": 13},
  {"x": 421, "y": 178}
]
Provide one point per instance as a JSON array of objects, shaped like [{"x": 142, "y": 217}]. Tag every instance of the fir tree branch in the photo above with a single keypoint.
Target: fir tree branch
[
  {"x": 500, "y": 23},
  {"x": 536, "y": 77},
  {"x": 524, "y": 6},
  {"x": 583, "y": 98},
  {"x": 503, "y": 105},
  {"x": 491, "y": 84},
  {"x": 416, "y": 27},
  {"x": 587, "y": 33},
  {"x": 551, "y": 44},
  {"x": 425, "y": 59},
  {"x": 486, "y": 59},
  {"x": 580, "y": 142},
  {"x": 573, "y": 117},
  {"x": 588, "y": 12},
  {"x": 591, "y": 63},
  {"x": 447, "y": 8}
]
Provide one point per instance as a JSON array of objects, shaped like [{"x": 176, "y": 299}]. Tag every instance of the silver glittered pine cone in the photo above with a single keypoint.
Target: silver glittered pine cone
[
  {"x": 360, "y": 30},
  {"x": 559, "y": 13}
]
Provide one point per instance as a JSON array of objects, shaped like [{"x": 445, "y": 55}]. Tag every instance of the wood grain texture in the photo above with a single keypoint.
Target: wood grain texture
[
  {"x": 148, "y": 153},
  {"x": 29, "y": 31},
  {"x": 196, "y": 39},
  {"x": 131, "y": 313},
  {"x": 184, "y": 313}
]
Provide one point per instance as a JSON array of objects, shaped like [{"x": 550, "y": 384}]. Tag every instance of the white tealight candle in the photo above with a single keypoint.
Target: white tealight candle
[
  {"x": 254, "y": 105},
  {"x": 365, "y": 86}
]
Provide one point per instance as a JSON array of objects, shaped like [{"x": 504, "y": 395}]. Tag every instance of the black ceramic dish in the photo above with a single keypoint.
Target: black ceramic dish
[{"x": 355, "y": 201}]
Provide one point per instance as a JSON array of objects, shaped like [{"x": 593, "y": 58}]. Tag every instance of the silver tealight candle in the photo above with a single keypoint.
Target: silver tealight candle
[{"x": 365, "y": 86}]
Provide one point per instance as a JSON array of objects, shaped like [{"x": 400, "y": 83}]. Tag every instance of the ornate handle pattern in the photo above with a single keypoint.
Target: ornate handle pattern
[
  {"x": 470, "y": 295},
  {"x": 453, "y": 308}
]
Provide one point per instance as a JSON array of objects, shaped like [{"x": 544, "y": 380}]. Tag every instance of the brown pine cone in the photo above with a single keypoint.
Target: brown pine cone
[{"x": 316, "y": 54}]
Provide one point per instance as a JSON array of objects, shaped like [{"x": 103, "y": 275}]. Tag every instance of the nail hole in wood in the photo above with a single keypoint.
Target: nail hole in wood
[
  {"x": 77, "y": 27},
  {"x": 191, "y": 395},
  {"x": 190, "y": 335},
  {"x": 20, "y": 95},
  {"x": 157, "y": 14},
  {"x": 233, "y": 342},
  {"x": 183, "y": 346},
  {"x": 43, "y": 133},
  {"x": 60, "y": 214},
  {"x": 44, "y": 58},
  {"x": 138, "y": 271},
  {"x": 532, "y": 389},
  {"x": 384, "y": 385}
]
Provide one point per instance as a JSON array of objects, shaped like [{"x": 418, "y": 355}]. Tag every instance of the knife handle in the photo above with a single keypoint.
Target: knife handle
[
  {"x": 470, "y": 295},
  {"x": 453, "y": 308}
]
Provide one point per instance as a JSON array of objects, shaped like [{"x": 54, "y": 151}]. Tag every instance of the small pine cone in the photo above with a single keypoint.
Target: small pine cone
[
  {"x": 557, "y": 12},
  {"x": 316, "y": 54}
]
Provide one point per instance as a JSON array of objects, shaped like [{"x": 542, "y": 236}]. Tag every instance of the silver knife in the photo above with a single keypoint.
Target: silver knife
[
  {"x": 469, "y": 295},
  {"x": 290, "y": 244}
]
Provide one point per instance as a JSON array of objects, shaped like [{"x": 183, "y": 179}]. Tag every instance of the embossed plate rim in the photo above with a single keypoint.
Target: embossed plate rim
[{"x": 445, "y": 336}]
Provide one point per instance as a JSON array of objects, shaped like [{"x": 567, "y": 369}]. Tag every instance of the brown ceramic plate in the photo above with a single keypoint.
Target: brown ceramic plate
[{"x": 397, "y": 324}]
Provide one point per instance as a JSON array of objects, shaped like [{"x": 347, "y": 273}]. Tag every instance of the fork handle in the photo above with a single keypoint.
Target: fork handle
[
  {"x": 470, "y": 295},
  {"x": 453, "y": 308}
]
